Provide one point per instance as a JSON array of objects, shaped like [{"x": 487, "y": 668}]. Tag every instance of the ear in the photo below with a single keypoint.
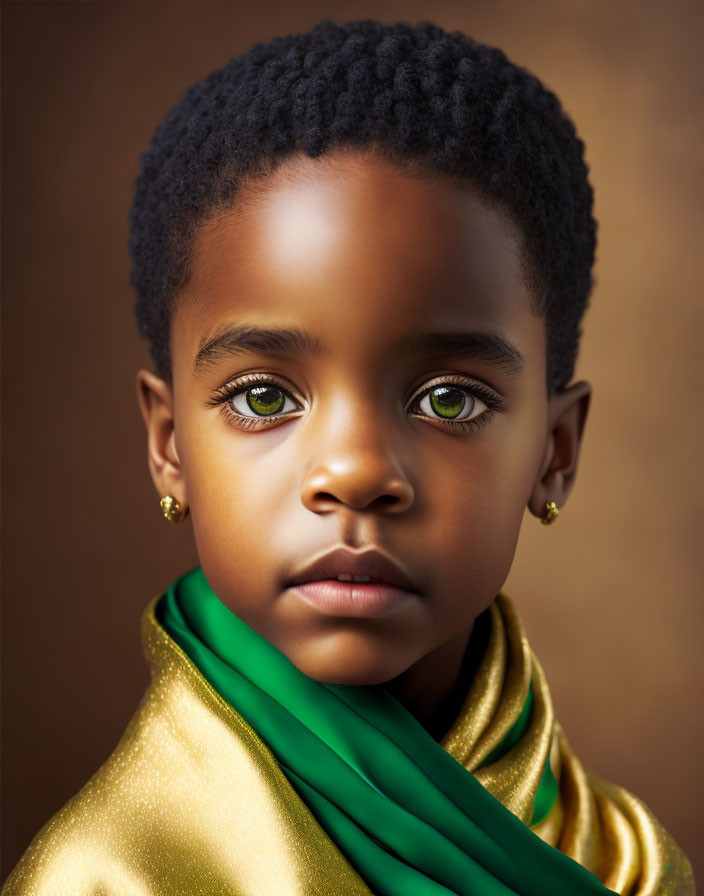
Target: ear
[
  {"x": 155, "y": 398},
  {"x": 567, "y": 414}
]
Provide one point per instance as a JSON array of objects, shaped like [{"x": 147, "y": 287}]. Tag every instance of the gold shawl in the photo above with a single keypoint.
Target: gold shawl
[{"x": 191, "y": 800}]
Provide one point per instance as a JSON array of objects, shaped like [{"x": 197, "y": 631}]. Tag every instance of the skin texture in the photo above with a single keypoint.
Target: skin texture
[{"x": 358, "y": 252}]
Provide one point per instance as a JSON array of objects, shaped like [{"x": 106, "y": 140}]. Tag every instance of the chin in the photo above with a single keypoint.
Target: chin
[
  {"x": 347, "y": 666},
  {"x": 354, "y": 678}
]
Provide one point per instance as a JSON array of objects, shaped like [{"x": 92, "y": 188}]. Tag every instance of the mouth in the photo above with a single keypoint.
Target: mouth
[
  {"x": 353, "y": 583},
  {"x": 339, "y": 598},
  {"x": 368, "y": 566}
]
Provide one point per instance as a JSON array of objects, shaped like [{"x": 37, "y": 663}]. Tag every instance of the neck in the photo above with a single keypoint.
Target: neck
[{"x": 433, "y": 689}]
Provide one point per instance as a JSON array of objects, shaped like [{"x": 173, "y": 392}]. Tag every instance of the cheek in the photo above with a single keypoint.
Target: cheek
[
  {"x": 229, "y": 470},
  {"x": 478, "y": 500},
  {"x": 237, "y": 485}
]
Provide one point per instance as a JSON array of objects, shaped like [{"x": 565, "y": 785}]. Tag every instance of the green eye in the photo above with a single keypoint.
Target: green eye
[
  {"x": 265, "y": 400},
  {"x": 447, "y": 401},
  {"x": 453, "y": 403}
]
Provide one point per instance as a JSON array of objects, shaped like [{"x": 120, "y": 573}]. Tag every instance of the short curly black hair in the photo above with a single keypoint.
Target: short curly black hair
[{"x": 421, "y": 96}]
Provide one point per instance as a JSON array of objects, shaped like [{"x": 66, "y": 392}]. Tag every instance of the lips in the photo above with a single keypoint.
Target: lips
[{"x": 379, "y": 566}]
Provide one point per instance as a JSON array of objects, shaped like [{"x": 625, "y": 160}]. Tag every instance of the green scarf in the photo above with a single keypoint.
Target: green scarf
[{"x": 407, "y": 816}]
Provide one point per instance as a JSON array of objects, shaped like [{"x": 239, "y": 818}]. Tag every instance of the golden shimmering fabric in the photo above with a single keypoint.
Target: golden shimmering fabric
[
  {"x": 192, "y": 801},
  {"x": 600, "y": 825}
]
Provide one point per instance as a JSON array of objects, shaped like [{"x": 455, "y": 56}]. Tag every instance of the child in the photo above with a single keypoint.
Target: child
[{"x": 362, "y": 255}]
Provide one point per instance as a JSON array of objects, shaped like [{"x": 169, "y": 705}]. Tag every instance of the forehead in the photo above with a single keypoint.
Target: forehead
[{"x": 356, "y": 250}]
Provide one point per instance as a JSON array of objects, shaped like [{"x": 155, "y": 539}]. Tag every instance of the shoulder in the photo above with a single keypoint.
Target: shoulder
[
  {"x": 71, "y": 853},
  {"x": 87, "y": 846},
  {"x": 191, "y": 800},
  {"x": 664, "y": 868},
  {"x": 614, "y": 833}
]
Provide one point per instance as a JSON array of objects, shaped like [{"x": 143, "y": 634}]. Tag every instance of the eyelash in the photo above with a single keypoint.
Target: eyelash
[{"x": 227, "y": 393}]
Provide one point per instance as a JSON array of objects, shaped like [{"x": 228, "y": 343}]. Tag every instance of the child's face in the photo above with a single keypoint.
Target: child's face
[{"x": 358, "y": 255}]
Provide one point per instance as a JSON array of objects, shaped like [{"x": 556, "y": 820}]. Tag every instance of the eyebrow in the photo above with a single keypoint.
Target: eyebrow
[{"x": 237, "y": 339}]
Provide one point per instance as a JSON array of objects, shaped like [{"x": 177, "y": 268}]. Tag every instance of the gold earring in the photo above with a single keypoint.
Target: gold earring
[
  {"x": 171, "y": 509},
  {"x": 550, "y": 514}
]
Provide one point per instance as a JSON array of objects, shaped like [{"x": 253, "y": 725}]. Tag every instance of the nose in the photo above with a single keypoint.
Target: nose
[{"x": 356, "y": 466}]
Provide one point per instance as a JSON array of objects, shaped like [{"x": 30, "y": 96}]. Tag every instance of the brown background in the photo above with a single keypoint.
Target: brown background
[{"x": 611, "y": 594}]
